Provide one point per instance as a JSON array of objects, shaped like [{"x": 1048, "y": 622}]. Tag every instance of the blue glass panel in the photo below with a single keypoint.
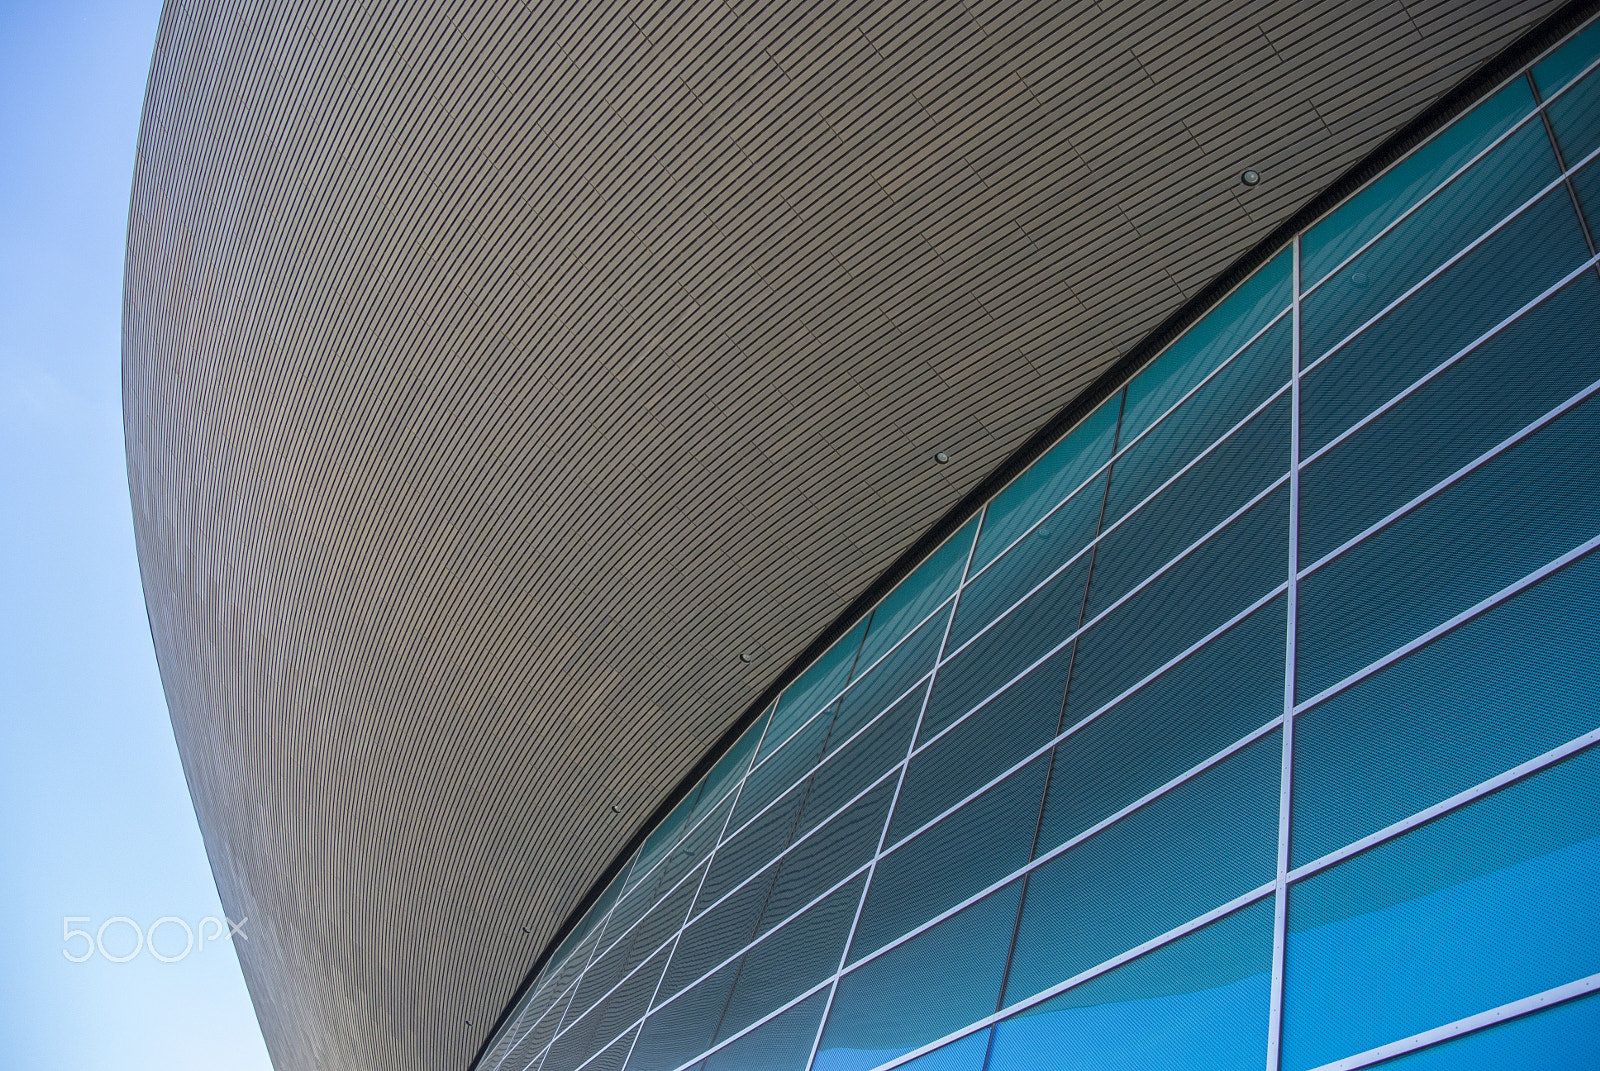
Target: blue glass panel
[
  {"x": 967, "y": 1054},
  {"x": 793, "y": 959},
  {"x": 782, "y": 1044},
  {"x": 998, "y": 735},
  {"x": 1563, "y": 1038},
  {"x": 602, "y": 1024},
  {"x": 915, "y": 597},
  {"x": 1495, "y": 693},
  {"x": 1489, "y": 904},
  {"x": 1218, "y": 694},
  {"x": 753, "y": 846},
  {"x": 630, "y": 949},
  {"x": 693, "y": 849},
  {"x": 1374, "y": 208},
  {"x": 828, "y": 855},
  {"x": 1222, "y": 403},
  {"x": 1199, "y": 500},
  {"x": 718, "y": 933},
  {"x": 1040, "y": 552},
  {"x": 864, "y": 759},
  {"x": 1198, "y": 1004},
  {"x": 933, "y": 984},
  {"x": 1576, "y": 118},
  {"x": 814, "y": 688},
  {"x": 678, "y": 1031},
  {"x": 1487, "y": 285},
  {"x": 1568, "y": 61},
  {"x": 1223, "y": 576},
  {"x": 1520, "y": 511},
  {"x": 973, "y": 848},
  {"x": 1116, "y": 890},
  {"x": 726, "y": 773},
  {"x": 889, "y": 679},
  {"x": 1049, "y": 480},
  {"x": 1016, "y": 641},
  {"x": 1587, "y": 185},
  {"x": 1206, "y": 345},
  {"x": 781, "y": 769},
  {"x": 665, "y": 836},
  {"x": 615, "y": 1055},
  {"x": 1500, "y": 182}
]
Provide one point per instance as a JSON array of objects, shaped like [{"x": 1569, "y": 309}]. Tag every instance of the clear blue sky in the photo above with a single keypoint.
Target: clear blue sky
[{"x": 95, "y": 817}]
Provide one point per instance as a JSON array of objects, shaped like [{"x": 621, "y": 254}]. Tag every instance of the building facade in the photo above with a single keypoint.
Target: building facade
[
  {"x": 832, "y": 536},
  {"x": 1251, "y": 726}
]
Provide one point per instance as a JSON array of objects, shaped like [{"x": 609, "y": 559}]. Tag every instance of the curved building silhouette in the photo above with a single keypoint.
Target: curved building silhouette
[{"x": 957, "y": 536}]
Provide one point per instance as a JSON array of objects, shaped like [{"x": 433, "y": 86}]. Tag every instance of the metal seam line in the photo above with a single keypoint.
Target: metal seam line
[
  {"x": 1550, "y": 998},
  {"x": 1280, "y": 907},
  {"x": 1452, "y": 360},
  {"x": 894, "y": 799},
  {"x": 1509, "y": 443}
]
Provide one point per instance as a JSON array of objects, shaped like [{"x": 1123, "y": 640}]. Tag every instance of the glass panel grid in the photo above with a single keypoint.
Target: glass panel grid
[{"x": 681, "y": 854}]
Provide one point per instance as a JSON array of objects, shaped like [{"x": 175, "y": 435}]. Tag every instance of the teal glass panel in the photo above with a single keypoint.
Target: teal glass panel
[
  {"x": 994, "y": 738},
  {"x": 1575, "y": 115},
  {"x": 1048, "y": 481},
  {"x": 1228, "y": 688},
  {"x": 1245, "y": 464},
  {"x": 915, "y": 597},
  {"x": 781, "y": 1044},
  {"x": 616, "y": 1054},
  {"x": 828, "y": 855},
  {"x": 1489, "y": 696},
  {"x": 632, "y": 948},
  {"x": 1486, "y": 905},
  {"x": 1197, "y": 1004},
  {"x": 970, "y": 850},
  {"x": 1207, "y": 344},
  {"x": 718, "y": 933},
  {"x": 1461, "y": 212},
  {"x": 863, "y": 760},
  {"x": 1567, "y": 62},
  {"x": 1343, "y": 231},
  {"x": 1116, "y": 890},
  {"x": 937, "y": 982},
  {"x": 682, "y": 1027},
  {"x": 1010, "y": 648},
  {"x": 601, "y": 1025},
  {"x": 966, "y": 1054},
  {"x": 815, "y": 688},
  {"x": 1475, "y": 294},
  {"x": 1067, "y": 532},
  {"x": 1201, "y": 593},
  {"x": 754, "y": 845},
  {"x": 782, "y": 769},
  {"x": 1248, "y": 381},
  {"x": 665, "y": 836},
  {"x": 1587, "y": 185},
  {"x": 886, "y": 682},
  {"x": 693, "y": 849},
  {"x": 724, "y": 776},
  {"x": 1563, "y": 1038},
  {"x": 791, "y": 960},
  {"x": 1520, "y": 511}
]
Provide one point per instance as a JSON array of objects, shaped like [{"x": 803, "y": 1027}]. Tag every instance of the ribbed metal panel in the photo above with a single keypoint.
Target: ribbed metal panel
[{"x": 496, "y": 375}]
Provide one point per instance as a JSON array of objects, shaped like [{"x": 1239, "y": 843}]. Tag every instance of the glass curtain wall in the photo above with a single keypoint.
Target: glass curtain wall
[{"x": 1251, "y": 727}]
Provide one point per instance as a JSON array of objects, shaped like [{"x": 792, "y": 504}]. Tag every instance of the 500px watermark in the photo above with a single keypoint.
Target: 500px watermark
[{"x": 121, "y": 927}]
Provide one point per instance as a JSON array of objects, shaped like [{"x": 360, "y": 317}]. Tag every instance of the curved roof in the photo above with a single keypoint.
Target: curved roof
[{"x": 496, "y": 376}]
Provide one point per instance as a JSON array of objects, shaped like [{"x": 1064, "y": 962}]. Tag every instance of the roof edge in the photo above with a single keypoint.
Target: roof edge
[{"x": 1446, "y": 108}]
